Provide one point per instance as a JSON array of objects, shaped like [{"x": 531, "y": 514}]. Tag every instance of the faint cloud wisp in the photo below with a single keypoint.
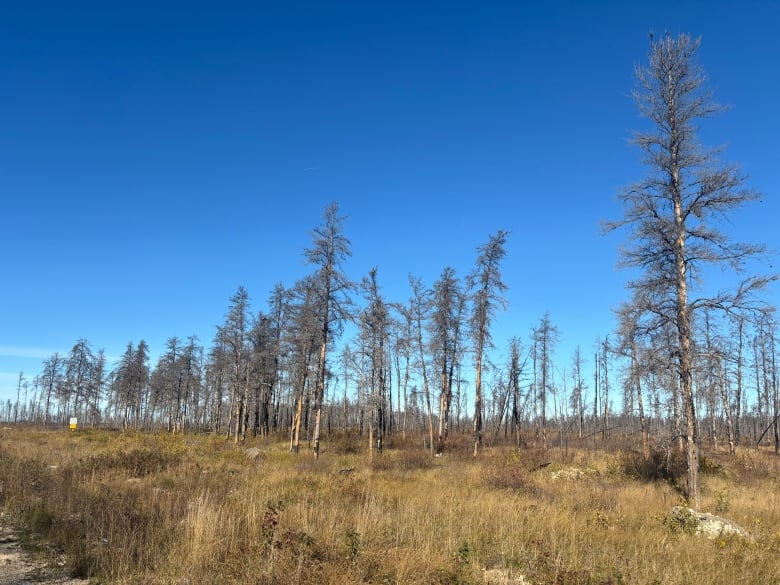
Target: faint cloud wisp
[{"x": 18, "y": 351}]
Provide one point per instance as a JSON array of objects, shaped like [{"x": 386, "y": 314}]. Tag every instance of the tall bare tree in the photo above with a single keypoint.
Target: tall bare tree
[
  {"x": 578, "y": 391},
  {"x": 374, "y": 332},
  {"x": 514, "y": 373},
  {"x": 304, "y": 334},
  {"x": 330, "y": 248},
  {"x": 403, "y": 349},
  {"x": 545, "y": 337},
  {"x": 488, "y": 288},
  {"x": 279, "y": 315},
  {"x": 628, "y": 346},
  {"x": 131, "y": 382},
  {"x": 233, "y": 335},
  {"x": 216, "y": 378},
  {"x": 96, "y": 390},
  {"x": 739, "y": 332},
  {"x": 674, "y": 212},
  {"x": 447, "y": 305},
  {"x": 78, "y": 374},
  {"x": 52, "y": 378},
  {"x": 419, "y": 309},
  {"x": 264, "y": 341}
]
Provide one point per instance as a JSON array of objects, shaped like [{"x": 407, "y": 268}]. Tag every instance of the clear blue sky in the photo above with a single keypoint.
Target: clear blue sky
[{"x": 154, "y": 155}]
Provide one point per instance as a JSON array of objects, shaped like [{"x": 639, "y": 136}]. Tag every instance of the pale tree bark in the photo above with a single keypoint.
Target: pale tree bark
[
  {"x": 708, "y": 378},
  {"x": 726, "y": 406},
  {"x": 419, "y": 307},
  {"x": 374, "y": 321},
  {"x": 775, "y": 394},
  {"x": 330, "y": 248},
  {"x": 642, "y": 420},
  {"x": 445, "y": 326},
  {"x": 96, "y": 387},
  {"x": 765, "y": 341},
  {"x": 628, "y": 333},
  {"x": 578, "y": 391},
  {"x": 347, "y": 366},
  {"x": 738, "y": 398},
  {"x": 305, "y": 333},
  {"x": 233, "y": 336},
  {"x": 53, "y": 377},
  {"x": 488, "y": 289},
  {"x": 515, "y": 371},
  {"x": 403, "y": 351},
  {"x": 596, "y": 370},
  {"x": 675, "y": 212},
  {"x": 605, "y": 387},
  {"x": 545, "y": 336}
]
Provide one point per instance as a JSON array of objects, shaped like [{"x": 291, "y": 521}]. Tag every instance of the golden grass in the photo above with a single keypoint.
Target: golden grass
[{"x": 164, "y": 509}]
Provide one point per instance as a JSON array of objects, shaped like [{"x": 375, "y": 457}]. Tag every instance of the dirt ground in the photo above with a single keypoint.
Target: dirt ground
[{"x": 19, "y": 568}]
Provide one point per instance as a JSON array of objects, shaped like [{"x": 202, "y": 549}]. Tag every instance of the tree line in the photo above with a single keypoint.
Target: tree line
[
  {"x": 684, "y": 367},
  {"x": 409, "y": 371}
]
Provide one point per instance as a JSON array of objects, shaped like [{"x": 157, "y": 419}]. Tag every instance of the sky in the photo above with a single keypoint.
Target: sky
[{"x": 155, "y": 156}]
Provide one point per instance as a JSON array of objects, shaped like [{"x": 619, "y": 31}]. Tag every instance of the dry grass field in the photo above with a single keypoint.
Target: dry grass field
[{"x": 196, "y": 510}]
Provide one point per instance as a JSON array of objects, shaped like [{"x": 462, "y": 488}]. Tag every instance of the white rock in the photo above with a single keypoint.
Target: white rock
[{"x": 708, "y": 525}]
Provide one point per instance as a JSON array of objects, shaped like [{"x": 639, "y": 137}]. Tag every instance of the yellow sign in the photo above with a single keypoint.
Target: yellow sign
[{"x": 73, "y": 423}]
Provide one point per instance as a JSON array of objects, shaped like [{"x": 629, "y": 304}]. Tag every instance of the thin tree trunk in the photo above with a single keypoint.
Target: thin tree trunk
[
  {"x": 478, "y": 403},
  {"x": 726, "y": 407}
]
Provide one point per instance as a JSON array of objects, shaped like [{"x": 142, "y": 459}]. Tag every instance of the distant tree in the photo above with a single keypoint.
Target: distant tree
[
  {"x": 348, "y": 367},
  {"x": 263, "y": 365},
  {"x": 216, "y": 378},
  {"x": 738, "y": 322},
  {"x": 330, "y": 248},
  {"x": 164, "y": 380},
  {"x": 131, "y": 382},
  {"x": 403, "y": 350},
  {"x": 78, "y": 375},
  {"x": 305, "y": 340},
  {"x": 445, "y": 333},
  {"x": 706, "y": 370},
  {"x": 191, "y": 373},
  {"x": 603, "y": 364},
  {"x": 713, "y": 379},
  {"x": 96, "y": 387},
  {"x": 673, "y": 213},
  {"x": 374, "y": 322},
  {"x": 122, "y": 385},
  {"x": 419, "y": 310},
  {"x": 545, "y": 337},
  {"x": 515, "y": 371},
  {"x": 176, "y": 382},
  {"x": 628, "y": 345},
  {"x": 233, "y": 334},
  {"x": 52, "y": 378},
  {"x": 487, "y": 295},
  {"x": 577, "y": 399},
  {"x": 279, "y": 315},
  {"x": 20, "y": 384},
  {"x": 765, "y": 344}
]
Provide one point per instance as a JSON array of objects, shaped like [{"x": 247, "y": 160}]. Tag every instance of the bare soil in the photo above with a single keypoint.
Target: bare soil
[{"x": 18, "y": 567}]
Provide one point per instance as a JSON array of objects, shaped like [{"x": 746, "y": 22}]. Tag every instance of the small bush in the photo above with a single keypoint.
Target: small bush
[
  {"x": 506, "y": 477},
  {"x": 136, "y": 463},
  {"x": 709, "y": 466},
  {"x": 660, "y": 465},
  {"x": 352, "y": 545},
  {"x": 681, "y": 520},
  {"x": 411, "y": 459}
]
